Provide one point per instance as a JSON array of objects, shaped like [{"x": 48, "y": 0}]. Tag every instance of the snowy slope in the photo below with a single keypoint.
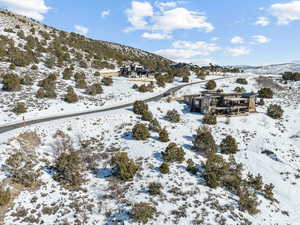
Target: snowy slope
[
  {"x": 272, "y": 69},
  {"x": 185, "y": 198}
]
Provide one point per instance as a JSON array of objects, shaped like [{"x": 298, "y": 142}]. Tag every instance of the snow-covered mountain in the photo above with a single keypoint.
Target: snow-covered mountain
[{"x": 272, "y": 69}]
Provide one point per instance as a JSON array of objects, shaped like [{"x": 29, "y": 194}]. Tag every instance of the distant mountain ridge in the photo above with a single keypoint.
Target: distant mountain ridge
[{"x": 272, "y": 69}]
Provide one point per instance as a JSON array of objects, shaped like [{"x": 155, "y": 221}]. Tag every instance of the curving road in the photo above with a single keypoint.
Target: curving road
[{"x": 155, "y": 98}]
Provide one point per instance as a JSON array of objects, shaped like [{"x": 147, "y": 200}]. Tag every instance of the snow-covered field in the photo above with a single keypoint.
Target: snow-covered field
[
  {"x": 120, "y": 92},
  {"x": 185, "y": 199}
]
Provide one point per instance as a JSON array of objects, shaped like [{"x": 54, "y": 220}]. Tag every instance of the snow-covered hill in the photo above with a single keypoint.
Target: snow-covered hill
[
  {"x": 184, "y": 197},
  {"x": 272, "y": 69}
]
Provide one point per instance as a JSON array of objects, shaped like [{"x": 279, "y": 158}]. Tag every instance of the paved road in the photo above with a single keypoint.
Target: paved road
[{"x": 37, "y": 121}]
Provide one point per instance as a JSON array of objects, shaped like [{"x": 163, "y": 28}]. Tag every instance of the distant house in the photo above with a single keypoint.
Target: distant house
[
  {"x": 134, "y": 70},
  {"x": 221, "y": 103}
]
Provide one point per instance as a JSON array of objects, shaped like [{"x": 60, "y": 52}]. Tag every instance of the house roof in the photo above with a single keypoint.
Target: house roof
[{"x": 216, "y": 94}]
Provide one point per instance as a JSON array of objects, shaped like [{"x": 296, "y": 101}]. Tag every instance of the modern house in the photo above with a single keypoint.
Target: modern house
[
  {"x": 134, "y": 70},
  {"x": 222, "y": 103}
]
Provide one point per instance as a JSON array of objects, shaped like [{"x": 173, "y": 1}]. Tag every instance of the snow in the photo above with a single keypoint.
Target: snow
[{"x": 254, "y": 133}]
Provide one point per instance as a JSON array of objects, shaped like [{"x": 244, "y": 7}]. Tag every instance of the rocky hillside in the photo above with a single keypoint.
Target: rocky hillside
[
  {"x": 43, "y": 70},
  {"x": 25, "y": 42}
]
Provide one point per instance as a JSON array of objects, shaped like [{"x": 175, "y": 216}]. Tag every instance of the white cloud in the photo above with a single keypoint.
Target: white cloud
[
  {"x": 201, "y": 47},
  {"x": 237, "y": 40},
  {"x": 184, "y": 55},
  {"x": 262, "y": 21},
  {"x": 201, "y": 61},
  {"x": 81, "y": 29},
  {"x": 215, "y": 38},
  {"x": 187, "y": 51},
  {"x": 178, "y": 53},
  {"x": 137, "y": 15},
  {"x": 142, "y": 16},
  {"x": 286, "y": 12},
  {"x": 105, "y": 13},
  {"x": 156, "y": 36},
  {"x": 31, "y": 8},
  {"x": 181, "y": 18},
  {"x": 238, "y": 51},
  {"x": 261, "y": 39},
  {"x": 165, "y": 5}
]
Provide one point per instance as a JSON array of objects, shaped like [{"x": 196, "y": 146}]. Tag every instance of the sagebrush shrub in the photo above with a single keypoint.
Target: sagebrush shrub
[
  {"x": 68, "y": 170},
  {"x": 265, "y": 93},
  {"x": 164, "y": 168},
  {"x": 210, "y": 119},
  {"x": 164, "y": 135},
  {"x": 239, "y": 89},
  {"x": 124, "y": 167},
  {"x": 20, "y": 166},
  {"x": 155, "y": 188},
  {"x": 142, "y": 212},
  {"x": 229, "y": 145},
  {"x": 147, "y": 116},
  {"x": 204, "y": 141},
  {"x": 27, "y": 80},
  {"x": 241, "y": 81},
  {"x": 139, "y": 107},
  {"x": 5, "y": 196},
  {"x": 81, "y": 84},
  {"x": 20, "y": 108},
  {"x": 79, "y": 76},
  {"x": 71, "y": 96},
  {"x": 94, "y": 89},
  {"x": 154, "y": 125},
  {"x": 215, "y": 168},
  {"x": 185, "y": 79},
  {"x": 173, "y": 153},
  {"x": 248, "y": 201},
  {"x": 107, "y": 81},
  {"x": 173, "y": 116},
  {"x": 191, "y": 167},
  {"x": 140, "y": 132},
  {"x": 275, "y": 111},
  {"x": 97, "y": 74},
  {"x": 210, "y": 85},
  {"x": 11, "y": 82}
]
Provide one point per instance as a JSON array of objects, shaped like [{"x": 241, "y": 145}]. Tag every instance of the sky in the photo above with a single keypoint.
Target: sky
[{"x": 231, "y": 32}]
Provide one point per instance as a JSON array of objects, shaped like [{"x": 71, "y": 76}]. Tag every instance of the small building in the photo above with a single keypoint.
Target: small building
[
  {"x": 134, "y": 70},
  {"x": 216, "y": 103}
]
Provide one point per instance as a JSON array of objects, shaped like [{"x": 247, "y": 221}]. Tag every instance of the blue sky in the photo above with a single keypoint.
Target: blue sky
[{"x": 227, "y": 32}]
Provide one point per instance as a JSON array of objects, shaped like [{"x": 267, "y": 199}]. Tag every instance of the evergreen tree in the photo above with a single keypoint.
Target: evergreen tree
[
  {"x": 275, "y": 111},
  {"x": 210, "y": 85},
  {"x": 204, "y": 141},
  {"x": 124, "y": 167},
  {"x": 147, "y": 115},
  {"x": 229, "y": 145},
  {"x": 139, "y": 107},
  {"x": 173, "y": 153}
]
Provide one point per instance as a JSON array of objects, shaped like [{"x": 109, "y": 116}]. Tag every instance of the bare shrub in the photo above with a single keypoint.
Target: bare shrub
[{"x": 142, "y": 212}]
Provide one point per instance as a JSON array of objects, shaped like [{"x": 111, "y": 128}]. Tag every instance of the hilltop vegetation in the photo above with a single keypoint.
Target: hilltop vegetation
[{"x": 26, "y": 42}]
